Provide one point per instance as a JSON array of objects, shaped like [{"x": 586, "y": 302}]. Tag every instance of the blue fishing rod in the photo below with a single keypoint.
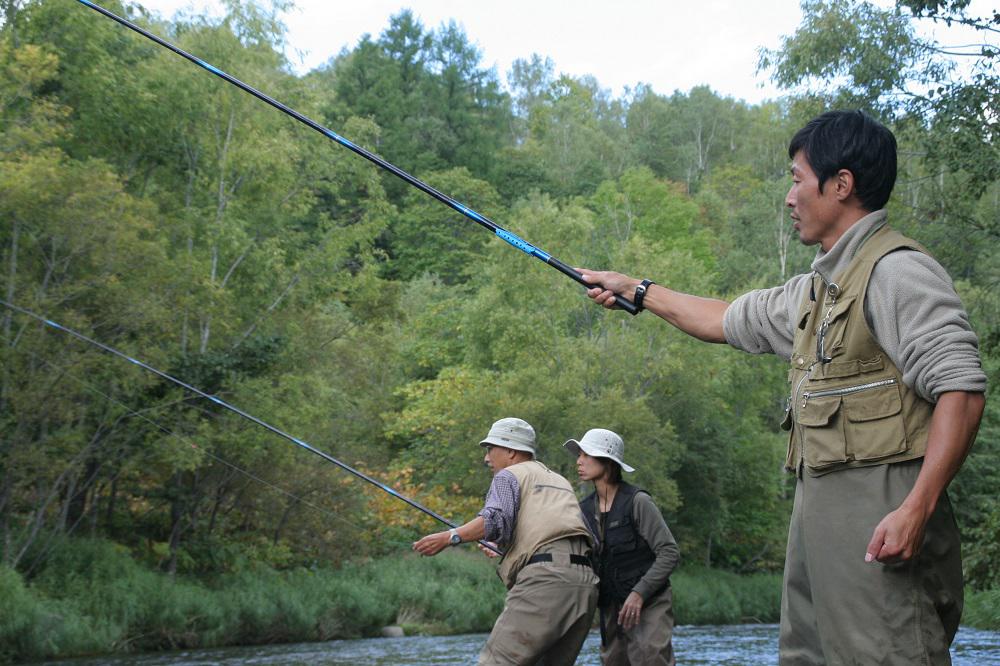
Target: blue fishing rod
[
  {"x": 240, "y": 412},
  {"x": 511, "y": 238}
]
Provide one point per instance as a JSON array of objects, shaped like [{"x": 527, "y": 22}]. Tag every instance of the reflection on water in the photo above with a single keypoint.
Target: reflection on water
[{"x": 734, "y": 645}]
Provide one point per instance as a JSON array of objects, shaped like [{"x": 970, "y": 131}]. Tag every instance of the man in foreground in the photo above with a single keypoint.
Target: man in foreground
[
  {"x": 886, "y": 393},
  {"x": 532, "y": 514}
]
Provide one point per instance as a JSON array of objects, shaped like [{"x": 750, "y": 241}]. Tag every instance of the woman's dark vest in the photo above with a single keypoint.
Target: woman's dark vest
[{"x": 623, "y": 556}]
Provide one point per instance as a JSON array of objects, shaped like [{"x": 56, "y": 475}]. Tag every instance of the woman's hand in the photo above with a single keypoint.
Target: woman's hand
[{"x": 628, "y": 616}]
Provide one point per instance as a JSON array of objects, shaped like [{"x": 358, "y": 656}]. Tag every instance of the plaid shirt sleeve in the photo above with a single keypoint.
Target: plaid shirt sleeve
[{"x": 500, "y": 511}]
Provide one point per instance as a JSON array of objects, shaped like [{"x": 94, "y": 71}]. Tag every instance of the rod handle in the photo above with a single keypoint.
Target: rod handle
[
  {"x": 626, "y": 305},
  {"x": 620, "y": 301}
]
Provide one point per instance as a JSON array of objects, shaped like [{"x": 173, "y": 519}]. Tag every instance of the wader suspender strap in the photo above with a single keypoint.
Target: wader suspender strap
[{"x": 602, "y": 525}]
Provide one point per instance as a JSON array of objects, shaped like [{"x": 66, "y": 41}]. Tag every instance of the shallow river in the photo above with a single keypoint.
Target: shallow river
[{"x": 736, "y": 645}]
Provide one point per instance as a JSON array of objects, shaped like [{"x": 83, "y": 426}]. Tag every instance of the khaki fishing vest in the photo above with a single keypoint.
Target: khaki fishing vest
[
  {"x": 850, "y": 409},
  {"x": 548, "y": 511}
]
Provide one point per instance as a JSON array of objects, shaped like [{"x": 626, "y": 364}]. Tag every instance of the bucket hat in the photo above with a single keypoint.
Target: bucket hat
[
  {"x": 600, "y": 443},
  {"x": 511, "y": 433}
]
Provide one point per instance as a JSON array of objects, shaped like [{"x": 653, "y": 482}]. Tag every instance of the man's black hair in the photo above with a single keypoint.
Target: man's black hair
[{"x": 855, "y": 141}]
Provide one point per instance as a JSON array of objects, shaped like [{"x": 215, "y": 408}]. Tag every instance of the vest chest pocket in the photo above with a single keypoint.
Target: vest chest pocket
[
  {"x": 874, "y": 424},
  {"x": 620, "y": 536},
  {"x": 832, "y": 327},
  {"x": 822, "y": 432},
  {"x": 859, "y": 423}
]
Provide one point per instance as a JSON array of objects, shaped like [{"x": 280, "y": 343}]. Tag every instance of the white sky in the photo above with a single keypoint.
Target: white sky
[{"x": 669, "y": 45}]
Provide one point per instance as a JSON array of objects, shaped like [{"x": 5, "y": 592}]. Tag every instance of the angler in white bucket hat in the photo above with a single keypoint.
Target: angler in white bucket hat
[
  {"x": 635, "y": 555},
  {"x": 600, "y": 443}
]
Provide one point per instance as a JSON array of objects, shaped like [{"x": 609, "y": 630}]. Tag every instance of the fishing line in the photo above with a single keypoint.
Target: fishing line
[
  {"x": 511, "y": 238},
  {"x": 187, "y": 440},
  {"x": 240, "y": 412}
]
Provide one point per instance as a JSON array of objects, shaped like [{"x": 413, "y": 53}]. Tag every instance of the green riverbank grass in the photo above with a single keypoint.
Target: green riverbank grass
[
  {"x": 982, "y": 609},
  {"x": 93, "y": 598},
  {"x": 712, "y": 596}
]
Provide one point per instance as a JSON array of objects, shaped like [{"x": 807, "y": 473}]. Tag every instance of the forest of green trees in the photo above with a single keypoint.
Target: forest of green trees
[{"x": 158, "y": 210}]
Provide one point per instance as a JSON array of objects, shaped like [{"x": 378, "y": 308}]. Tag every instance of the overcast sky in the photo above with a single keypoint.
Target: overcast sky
[{"x": 669, "y": 45}]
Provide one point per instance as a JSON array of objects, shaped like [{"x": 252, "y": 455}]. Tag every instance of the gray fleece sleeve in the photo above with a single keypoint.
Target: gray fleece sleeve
[
  {"x": 654, "y": 530},
  {"x": 920, "y": 322},
  {"x": 763, "y": 321}
]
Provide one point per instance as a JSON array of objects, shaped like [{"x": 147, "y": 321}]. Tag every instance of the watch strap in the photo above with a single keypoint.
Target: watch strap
[{"x": 640, "y": 294}]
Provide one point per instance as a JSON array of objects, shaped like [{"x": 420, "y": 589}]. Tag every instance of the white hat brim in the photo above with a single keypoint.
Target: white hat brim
[
  {"x": 507, "y": 444},
  {"x": 574, "y": 447}
]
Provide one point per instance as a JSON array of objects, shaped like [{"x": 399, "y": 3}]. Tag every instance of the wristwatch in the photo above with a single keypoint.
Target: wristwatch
[
  {"x": 454, "y": 539},
  {"x": 640, "y": 293}
]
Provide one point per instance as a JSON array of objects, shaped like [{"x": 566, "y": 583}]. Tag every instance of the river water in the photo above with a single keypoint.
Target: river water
[{"x": 735, "y": 645}]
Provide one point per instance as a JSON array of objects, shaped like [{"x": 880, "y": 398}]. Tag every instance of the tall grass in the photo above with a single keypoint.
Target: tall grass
[
  {"x": 711, "y": 596},
  {"x": 91, "y": 597},
  {"x": 34, "y": 627},
  {"x": 982, "y": 609}
]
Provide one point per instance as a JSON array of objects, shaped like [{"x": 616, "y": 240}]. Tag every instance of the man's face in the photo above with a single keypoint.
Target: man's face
[
  {"x": 496, "y": 458},
  {"x": 814, "y": 213}
]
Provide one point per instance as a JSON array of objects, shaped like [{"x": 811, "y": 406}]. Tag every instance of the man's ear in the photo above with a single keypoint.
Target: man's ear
[{"x": 843, "y": 183}]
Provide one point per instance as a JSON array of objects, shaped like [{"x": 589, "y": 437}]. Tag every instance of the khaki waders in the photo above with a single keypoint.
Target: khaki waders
[
  {"x": 547, "y": 613},
  {"x": 646, "y": 644},
  {"x": 837, "y": 609}
]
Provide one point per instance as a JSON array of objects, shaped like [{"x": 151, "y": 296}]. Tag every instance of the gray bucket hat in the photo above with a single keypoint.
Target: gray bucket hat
[
  {"x": 511, "y": 433},
  {"x": 600, "y": 443}
]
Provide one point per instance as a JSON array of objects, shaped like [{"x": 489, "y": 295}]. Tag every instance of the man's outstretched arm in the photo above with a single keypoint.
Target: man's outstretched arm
[
  {"x": 698, "y": 317},
  {"x": 432, "y": 544}
]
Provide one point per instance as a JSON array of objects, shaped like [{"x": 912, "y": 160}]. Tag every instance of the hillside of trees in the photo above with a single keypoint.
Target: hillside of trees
[{"x": 158, "y": 210}]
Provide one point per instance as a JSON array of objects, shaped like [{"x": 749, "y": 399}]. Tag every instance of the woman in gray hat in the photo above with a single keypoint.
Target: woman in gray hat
[{"x": 635, "y": 553}]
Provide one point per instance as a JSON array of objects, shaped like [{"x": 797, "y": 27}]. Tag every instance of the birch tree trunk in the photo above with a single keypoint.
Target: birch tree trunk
[{"x": 220, "y": 211}]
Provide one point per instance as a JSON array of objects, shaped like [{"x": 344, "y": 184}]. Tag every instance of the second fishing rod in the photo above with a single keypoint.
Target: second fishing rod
[
  {"x": 483, "y": 221},
  {"x": 236, "y": 410}
]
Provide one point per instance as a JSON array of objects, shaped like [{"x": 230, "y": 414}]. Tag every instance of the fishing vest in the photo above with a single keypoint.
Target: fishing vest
[
  {"x": 624, "y": 556},
  {"x": 851, "y": 407},
  {"x": 548, "y": 512}
]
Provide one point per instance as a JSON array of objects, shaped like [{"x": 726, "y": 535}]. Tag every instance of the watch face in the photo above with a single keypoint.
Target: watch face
[{"x": 455, "y": 539}]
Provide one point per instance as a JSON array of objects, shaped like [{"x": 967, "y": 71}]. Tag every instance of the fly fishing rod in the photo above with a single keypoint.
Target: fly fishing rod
[
  {"x": 240, "y": 412},
  {"x": 511, "y": 238}
]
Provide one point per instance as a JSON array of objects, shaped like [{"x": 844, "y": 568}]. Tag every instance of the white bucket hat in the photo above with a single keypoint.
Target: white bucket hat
[
  {"x": 600, "y": 443},
  {"x": 511, "y": 433}
]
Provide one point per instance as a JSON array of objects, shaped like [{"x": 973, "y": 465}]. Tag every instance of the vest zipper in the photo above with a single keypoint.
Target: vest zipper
[
  {"x": 791, "y": 398},
  {"x": 847, "y": 390}
]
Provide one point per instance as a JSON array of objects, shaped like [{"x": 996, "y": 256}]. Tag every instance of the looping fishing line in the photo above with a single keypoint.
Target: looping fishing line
[
  {"x": 222, "y": 403},
  {"x": 187, "y": 440}
]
